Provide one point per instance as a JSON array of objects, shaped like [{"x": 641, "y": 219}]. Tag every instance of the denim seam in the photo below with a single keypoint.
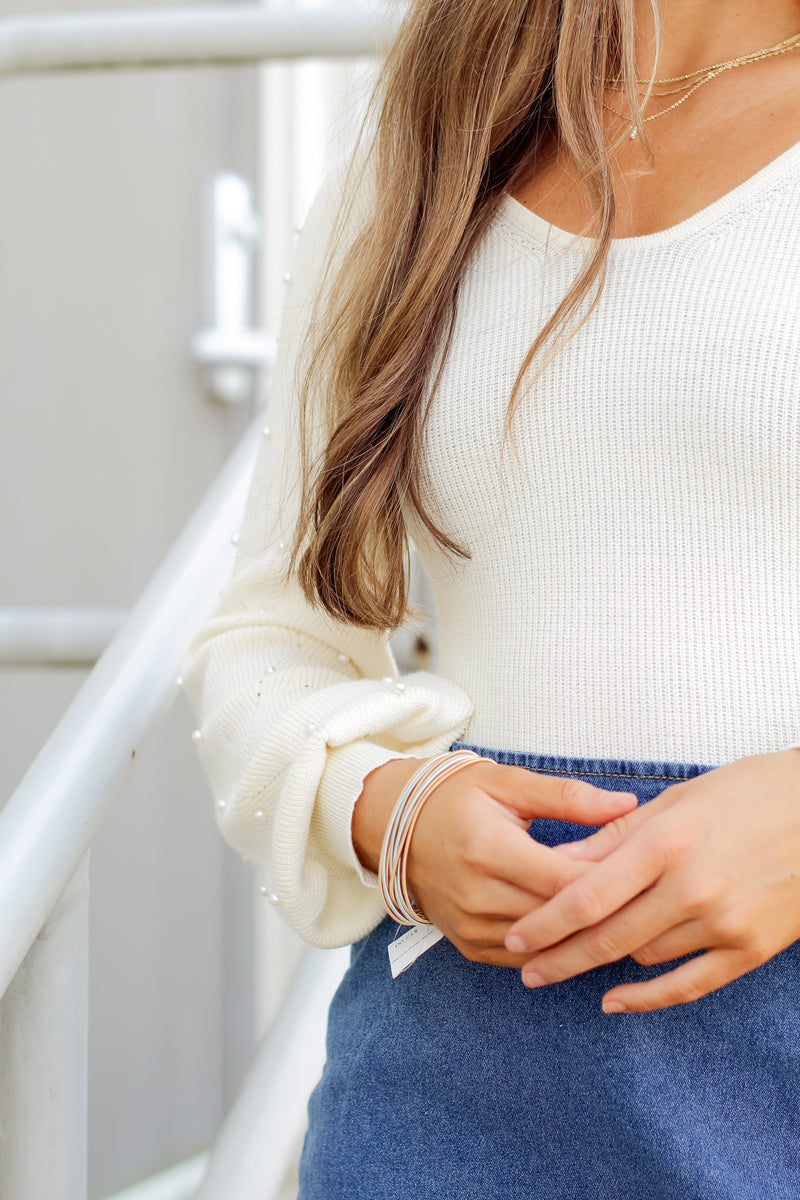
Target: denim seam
[{"x": 606, "y": 774}]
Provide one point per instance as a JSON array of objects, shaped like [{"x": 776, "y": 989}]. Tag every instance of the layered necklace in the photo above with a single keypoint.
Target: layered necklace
[{"x": 688, "y": 84}]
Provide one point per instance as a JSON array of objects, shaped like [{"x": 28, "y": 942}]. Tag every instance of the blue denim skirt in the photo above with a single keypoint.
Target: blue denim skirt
[{"x": 455, "y": 1082}]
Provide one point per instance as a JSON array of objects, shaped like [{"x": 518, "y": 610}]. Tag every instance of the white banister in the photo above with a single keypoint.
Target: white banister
[
  {"x": 47, "y": 825},
  {"x": 258, "y": 1141},
  {"x": 167, "y": 37},
  {"x": 47, "y": 637},
  {"x": 43, "y": 1058},
  {"x": 176, "y": 1183},
  {"x": 257, "y": 1145}
]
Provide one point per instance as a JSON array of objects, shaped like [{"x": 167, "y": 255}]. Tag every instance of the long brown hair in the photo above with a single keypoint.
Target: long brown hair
[{"x": 472, "y": 95}]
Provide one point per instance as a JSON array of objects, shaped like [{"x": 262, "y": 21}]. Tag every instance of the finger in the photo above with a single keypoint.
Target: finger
[
  {"x": 480, "y": 939},
  {"x": 505, "y": 852},
  {"x": 595, "y": 895},
  {"x": 493, "y": 900},
  {"x": 532, "y": 794},
  {"x": 639, "y": 922},
  {"x": 685, "y": 983},
  {"x": 503, "y": 901},
  {"x": 485, "y": 933},
  {"x": 686, "y": 938},
  {"x": 599, "y": 845},
  {"x": 495, "y": 955}
]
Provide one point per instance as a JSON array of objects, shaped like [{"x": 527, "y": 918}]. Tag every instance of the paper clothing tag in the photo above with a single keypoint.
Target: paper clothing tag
[{"x": 408, "y": 948}]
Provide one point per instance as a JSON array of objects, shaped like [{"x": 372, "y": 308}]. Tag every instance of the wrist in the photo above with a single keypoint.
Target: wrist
[{"x": 375, "y": 805}]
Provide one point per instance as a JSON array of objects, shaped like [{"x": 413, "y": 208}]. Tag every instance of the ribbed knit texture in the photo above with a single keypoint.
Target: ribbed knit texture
[{"x": 633, "y": 589}]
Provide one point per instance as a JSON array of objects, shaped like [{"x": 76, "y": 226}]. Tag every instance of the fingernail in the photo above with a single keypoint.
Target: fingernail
[
  {"x": 613, "y": 1006},
  {"x": 515, "y": 943},
  {"x": 532, "y": 980}
]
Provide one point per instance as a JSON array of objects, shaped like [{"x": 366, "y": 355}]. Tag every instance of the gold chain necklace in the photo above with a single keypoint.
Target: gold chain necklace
[
  {"x": 786, "y": 44},
  {"x": 706, "y": 75}
]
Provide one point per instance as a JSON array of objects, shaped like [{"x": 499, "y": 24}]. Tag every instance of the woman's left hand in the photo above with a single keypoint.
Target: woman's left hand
[{"x": 712, "y": 864}]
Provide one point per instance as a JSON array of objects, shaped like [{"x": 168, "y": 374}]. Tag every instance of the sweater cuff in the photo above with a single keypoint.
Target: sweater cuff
[{"x": 340, "y": 786}]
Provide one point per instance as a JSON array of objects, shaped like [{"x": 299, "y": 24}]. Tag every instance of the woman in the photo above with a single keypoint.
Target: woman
[{"x": 557, "y": 346}]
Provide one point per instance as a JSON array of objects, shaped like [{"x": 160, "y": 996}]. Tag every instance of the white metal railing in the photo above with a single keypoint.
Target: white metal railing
[
  {"x": 47, "y": 826},
  {"x": 260, "y": 1136},
  {"x": 176, "y": 1183},
  {"x": 43, "y": 1056},
  {"x": 45, "y": 832},
  {"x": 49, "y": 637},
  {"x": 258, "y": 1142},
  {"x": 168, "y": 37},
  {"x": 46, "y": 829}
]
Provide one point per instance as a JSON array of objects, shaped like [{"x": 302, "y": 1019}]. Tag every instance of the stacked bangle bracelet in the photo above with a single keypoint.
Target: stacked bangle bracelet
[{"x": 394, "y": 851}]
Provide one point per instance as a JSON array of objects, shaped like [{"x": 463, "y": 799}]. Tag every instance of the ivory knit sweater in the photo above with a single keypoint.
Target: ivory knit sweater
[{"x": 633, "y": 589}]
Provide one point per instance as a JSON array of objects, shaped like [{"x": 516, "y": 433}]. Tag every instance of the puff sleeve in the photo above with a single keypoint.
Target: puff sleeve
[{"x": 296, "y": 708}]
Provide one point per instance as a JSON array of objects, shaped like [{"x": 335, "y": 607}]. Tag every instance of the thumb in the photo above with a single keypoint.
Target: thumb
[{"x": 530, "y": 794}]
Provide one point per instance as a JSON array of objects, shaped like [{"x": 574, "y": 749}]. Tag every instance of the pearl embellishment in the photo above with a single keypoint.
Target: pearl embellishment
[
  {"x": 396, "y": 684},
  {"x": 222, "y": 805},
  {"x": 197, "y": 736},
  {"x": 258, "y": 815}
]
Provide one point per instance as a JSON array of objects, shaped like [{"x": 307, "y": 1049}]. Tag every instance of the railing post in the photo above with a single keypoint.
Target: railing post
[
  {"x": 260, "y": 1136},
  {"x": 43, "y": 1058}
]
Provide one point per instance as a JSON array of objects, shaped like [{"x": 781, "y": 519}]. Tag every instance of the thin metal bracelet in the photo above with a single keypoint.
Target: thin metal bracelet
[
  {"x": 394, "y": 850},
  {"x": 405, "y": 817},
  {"x": 392, "y": 847}
]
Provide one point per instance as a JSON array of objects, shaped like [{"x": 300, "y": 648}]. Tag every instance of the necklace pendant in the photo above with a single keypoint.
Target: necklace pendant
[{"x": 634, "y": 133}]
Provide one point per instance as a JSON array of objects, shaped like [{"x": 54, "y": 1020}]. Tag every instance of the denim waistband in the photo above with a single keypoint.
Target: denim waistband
[
  {"x": 646, "y": 777},
  {"x": 609, "y": 769}
]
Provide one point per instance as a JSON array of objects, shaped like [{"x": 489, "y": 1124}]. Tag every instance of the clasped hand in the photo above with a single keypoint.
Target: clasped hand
[
  {"x": 710, "y": 865},
  {"x": 710, "y": 868},
  {"x": 472, "y": 867}
]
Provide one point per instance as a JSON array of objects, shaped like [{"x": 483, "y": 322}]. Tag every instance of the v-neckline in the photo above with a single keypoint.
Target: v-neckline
[{"x": 526, "y": 219}]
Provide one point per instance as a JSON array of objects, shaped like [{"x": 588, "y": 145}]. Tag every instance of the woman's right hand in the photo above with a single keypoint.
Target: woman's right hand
[{"x": 472, "y": 867}]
